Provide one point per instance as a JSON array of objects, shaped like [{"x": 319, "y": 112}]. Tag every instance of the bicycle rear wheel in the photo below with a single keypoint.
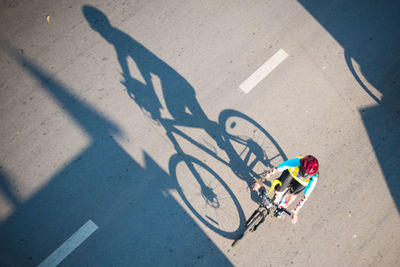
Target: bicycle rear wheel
[{"x": 206, "y": 195}]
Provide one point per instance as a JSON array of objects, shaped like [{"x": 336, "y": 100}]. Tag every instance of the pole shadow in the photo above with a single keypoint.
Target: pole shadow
[
  {"x": 369, "y": 34},
  {"x": 136, "y": 215}
]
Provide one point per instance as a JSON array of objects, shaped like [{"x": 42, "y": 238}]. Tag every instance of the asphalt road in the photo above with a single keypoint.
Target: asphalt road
[{"x": 126, "y": 140}]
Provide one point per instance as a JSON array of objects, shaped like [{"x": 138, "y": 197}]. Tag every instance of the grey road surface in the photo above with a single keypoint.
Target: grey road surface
[{"x": 126, "y": 140}]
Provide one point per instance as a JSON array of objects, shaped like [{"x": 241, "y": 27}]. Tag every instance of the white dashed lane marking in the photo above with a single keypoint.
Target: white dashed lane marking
[
  {"x": 263, "y": 71},
  {"x": 70, "y": 245}
]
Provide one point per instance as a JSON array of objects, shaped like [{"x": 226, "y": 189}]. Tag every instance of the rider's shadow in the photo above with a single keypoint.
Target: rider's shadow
[
  {"x": 178, "y": 95},
  {"x": 142, "y": 82}
]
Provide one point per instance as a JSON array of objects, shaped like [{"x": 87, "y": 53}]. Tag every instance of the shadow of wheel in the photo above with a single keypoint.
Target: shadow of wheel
[
  {"x": 206, "y": 195},
  {"x": 249, "y": 146}
]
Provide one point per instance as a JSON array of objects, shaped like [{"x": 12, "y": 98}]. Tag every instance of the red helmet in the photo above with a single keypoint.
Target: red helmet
[{"x": 309, "y": 164}]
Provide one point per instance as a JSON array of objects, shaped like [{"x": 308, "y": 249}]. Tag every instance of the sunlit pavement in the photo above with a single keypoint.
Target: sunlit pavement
[{"x": 130, "y": 131}]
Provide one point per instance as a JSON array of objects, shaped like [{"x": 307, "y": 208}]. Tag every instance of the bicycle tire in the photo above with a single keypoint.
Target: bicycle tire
[
  {"x": 228, "y": 223},
  {"x": 250, "y": 227}
]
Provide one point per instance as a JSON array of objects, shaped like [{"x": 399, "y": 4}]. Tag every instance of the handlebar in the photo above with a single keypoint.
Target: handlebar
[{"x": 262, "y": 192}]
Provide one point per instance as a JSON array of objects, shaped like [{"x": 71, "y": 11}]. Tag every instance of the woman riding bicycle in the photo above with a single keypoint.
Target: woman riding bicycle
[{"x": 299, "y": 174}]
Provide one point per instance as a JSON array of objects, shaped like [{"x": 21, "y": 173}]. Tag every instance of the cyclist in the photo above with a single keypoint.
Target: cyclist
[{"x": 299, "y": 174}]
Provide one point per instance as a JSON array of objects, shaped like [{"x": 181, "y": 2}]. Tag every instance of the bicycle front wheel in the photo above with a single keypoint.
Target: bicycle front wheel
[{"x": 250, "y": 226}]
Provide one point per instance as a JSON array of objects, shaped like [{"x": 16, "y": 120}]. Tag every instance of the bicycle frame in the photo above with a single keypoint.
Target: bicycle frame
[{"x": 266, "y": 202}]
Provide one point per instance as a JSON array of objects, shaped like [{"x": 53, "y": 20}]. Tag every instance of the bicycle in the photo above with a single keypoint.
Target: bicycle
[{"x": 259, "y": 215}]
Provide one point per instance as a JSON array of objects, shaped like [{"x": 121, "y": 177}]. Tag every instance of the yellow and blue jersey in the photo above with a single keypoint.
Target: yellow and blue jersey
[{"x": 293, "y": 166}]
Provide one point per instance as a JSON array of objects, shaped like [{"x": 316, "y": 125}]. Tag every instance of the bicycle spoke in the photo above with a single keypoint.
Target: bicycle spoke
[
  {"x": 276, "y": 156},
  {"x": 207, "y": 196},
  {"x": 239, "y": 139}
]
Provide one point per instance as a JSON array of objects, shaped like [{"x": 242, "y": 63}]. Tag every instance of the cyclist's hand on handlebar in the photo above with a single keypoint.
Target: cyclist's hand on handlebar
[
  {"x": 257, "y": 184},
  {"x": 293, "y": 217}
]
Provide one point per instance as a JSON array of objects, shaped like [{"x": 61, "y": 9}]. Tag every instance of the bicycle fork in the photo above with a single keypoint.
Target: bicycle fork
[{"x": 260, "y": 211}]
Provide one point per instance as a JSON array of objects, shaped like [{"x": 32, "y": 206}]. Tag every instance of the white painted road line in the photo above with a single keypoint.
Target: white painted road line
[
  {"x": 70, "y": 245},
  {"x": 263, "y": 71}
]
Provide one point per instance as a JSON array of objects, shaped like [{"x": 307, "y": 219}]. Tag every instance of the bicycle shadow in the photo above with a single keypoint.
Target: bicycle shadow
[{"x": 181, "y": 103}]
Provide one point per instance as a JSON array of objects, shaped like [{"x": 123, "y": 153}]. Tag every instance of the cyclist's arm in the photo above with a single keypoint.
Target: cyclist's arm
[
  {"x": 307, "y": 192},
  {"x": 269, "y": 173},
  {"x": 259, "y": 182},
  {"x": 289, "y": 164},
  {"x": 281, "y": 167}
]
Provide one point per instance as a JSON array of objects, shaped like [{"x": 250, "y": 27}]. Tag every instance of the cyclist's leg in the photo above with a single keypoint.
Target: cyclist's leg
[
  {"x": 285, "y": 179},
  {"x": 294, "y": 189}
]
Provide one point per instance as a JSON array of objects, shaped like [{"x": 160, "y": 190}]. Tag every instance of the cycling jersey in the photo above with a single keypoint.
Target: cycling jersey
[{"x": 293, "y": 166}]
